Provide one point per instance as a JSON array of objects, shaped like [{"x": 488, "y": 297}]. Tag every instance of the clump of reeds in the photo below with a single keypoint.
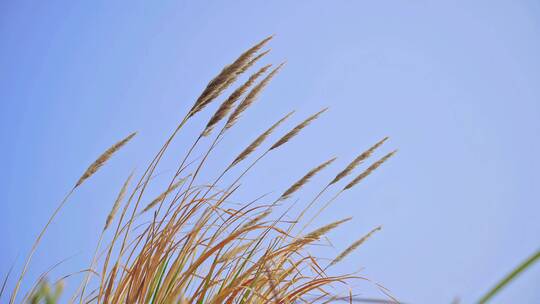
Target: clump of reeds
[{"x": 187, "y": 245}]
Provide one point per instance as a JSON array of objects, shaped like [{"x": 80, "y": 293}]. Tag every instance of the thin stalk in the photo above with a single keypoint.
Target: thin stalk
[
  {"x": 320, "y": 211},
  {"x": 36, "y": 244},
  {"x": 92, "y": 264}
]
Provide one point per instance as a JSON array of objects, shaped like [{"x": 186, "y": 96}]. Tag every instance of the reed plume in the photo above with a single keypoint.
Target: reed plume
[
  {"x": 231, "y": 254},
  {"x": 369, "y": 170},
  {"x": 117, "y": 202},
  {"x": 355, "y": 181},
  {"x": 227, "y": 105},
  {"x": 164, "y": 194},
  {"x": 219, "y": 83},
  {"x": 258, "y": 141},
  {"x": 103, "y": 158},
  {"x": 353, "y": 246},
  {"x": 296, "y": 129},
  {"x": 257, "y": 219},
  {"x": 301, "y": 182},
  {"x": 357, "y": 161},
  {"x": 246, "y": 67},
  {"x": 317, "y": 233},
  {"x": 251, "y": 97}
]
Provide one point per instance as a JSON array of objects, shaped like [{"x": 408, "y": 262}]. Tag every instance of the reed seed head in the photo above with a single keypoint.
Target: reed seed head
[
  {"x": 296, "y": 129},
  {"x": 103, "y": 158},
  {"x": 231, "y": 80},
  {"x": 353, "y": 246},
  {"x": 317, "y": 233},
  {"x": 257, "y": 219},
  {"x": 258, "y": 141},
  {"x": 369, "y": 170},
  {"x": 357, "y": 161},
  {"x": 223, "y": 79},
  {"x": 251, "y": 97},
  {"x": 227, "y": 105},
  {"x": 163, "y": 195},
  {"x": 117, "y": 202},
  {"x": 301, "y": 182},
  {"x": 231, "y": 254}
]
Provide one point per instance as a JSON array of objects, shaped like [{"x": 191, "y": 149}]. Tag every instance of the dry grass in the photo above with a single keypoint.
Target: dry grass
[{"x": 194, "y": 247}]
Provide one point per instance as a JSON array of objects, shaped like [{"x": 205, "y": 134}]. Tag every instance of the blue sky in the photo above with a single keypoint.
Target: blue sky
[{"x": 453, "y": 83}]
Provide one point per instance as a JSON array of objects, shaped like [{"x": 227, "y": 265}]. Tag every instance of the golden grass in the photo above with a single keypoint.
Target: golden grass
[{"x": 193, "y": 247}]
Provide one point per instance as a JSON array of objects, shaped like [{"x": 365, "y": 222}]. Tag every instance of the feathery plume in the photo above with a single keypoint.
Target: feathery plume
[
  {"x": 301, "y": 182},
  {"x": 94, "y": 167},
  {"x": 244, "y": 69},
  {"x": 227, "y": 105},
  {"x": 353, "y": 246},
  {"x": 357, "y": 161},
  {"x": 249, "y": 64},
  {"x": 234, "y": 252},
  {"x": 258, "y": 141},
  {"x": 116, "y": 204},
  {"x": 297, "y": 129},
  {"x": 251, "y": 97},
  {"x": 369, "y": 170},
  {"x": 256, "y": 219},
  {"x": 164, "y": 194},
  {"x": 317, "y": 233},
  {"x": 223, "y": 79}
]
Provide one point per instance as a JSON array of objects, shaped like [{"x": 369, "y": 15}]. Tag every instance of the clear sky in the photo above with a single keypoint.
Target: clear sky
[{"x": 453, "y": 83}]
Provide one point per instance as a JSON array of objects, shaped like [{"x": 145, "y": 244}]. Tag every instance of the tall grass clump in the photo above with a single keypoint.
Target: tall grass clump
[{"x": 189, "y": 244}]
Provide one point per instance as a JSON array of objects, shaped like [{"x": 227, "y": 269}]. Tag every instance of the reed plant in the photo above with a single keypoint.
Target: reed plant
[{"x": 188, "y": 245}]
